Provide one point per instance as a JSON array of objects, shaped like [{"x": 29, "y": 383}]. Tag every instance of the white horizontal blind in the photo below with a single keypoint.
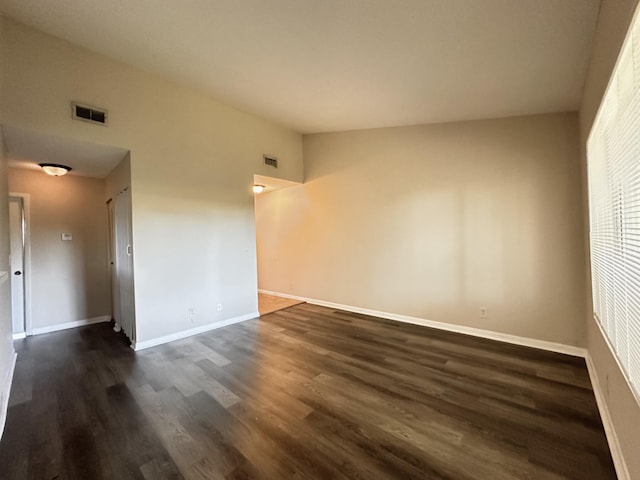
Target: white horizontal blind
[{"x": 613, "y": 157}]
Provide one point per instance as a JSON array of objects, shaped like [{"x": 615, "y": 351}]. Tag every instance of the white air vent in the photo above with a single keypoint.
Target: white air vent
[
  {"x": 271, "y": 161},
  {"x": 88, "y": 114}
]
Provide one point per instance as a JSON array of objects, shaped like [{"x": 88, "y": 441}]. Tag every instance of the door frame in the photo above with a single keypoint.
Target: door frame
[{"x": 26, "y": 277}]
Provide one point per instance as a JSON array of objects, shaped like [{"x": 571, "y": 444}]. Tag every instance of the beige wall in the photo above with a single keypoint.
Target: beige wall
[
  {"x": 614, "y": 19},
  {"x": 118, "y": 179},
  {"x": 69, "y": 279},
  {"x": 436, "y": 222},
  {"x": 192, "y": 164},
  {"x": 6, "y": 342}
]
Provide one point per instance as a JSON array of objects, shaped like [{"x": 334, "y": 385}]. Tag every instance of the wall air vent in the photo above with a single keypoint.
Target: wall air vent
[
  {"x": 88, "y": 114},
  {"x": 271, "y": 161}
]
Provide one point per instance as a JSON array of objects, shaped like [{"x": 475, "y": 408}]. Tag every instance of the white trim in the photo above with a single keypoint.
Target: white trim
[
  {"x": 19, "y": 336},
  {"x": 192, "y": 331},
  {"x": 6, "y": 391},
  {"x": 476, "y": 332},
  {"x": 65, "y": 326},
  {"x": 609, "y": 430}
]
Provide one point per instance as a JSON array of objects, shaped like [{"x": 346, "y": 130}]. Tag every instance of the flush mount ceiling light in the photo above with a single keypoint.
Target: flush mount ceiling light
[
  {"x": 55, "y": 169},
  {"x": 258, "y": 188}
]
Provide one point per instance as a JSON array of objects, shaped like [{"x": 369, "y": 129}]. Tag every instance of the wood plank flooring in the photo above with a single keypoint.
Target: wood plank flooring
[
  {"x": 304, "y": 393},
  {"x": 270, "y": 303}
]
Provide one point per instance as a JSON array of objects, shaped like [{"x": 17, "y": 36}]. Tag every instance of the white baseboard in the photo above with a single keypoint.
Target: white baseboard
[
  {"x": 193, "y": 331},
  {"x": 5, "y": 391},
  {"x": 476, "y": 332},
  {"x": 612, "y": 438},
  {"x": 19, "y": 336},
  {"x": 65, "y": 326}
]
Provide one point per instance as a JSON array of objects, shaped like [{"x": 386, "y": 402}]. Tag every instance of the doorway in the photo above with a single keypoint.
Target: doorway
[
  {"x": 18, "y": 261},
  {"x": 265, "y": 202}
]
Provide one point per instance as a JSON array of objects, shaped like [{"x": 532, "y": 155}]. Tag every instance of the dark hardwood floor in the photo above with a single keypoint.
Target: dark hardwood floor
[{"x": 306, "y": 392}]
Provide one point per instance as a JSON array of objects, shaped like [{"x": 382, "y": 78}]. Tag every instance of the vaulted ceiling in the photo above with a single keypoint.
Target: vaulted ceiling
[{"x": 345, "y": 64}]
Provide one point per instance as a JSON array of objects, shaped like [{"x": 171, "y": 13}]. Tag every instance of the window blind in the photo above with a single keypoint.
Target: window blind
[{"x": 613, "y": 159}]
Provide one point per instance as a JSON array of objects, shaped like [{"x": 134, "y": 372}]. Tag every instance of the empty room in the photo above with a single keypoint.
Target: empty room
[{"x": 320, "y": 239}]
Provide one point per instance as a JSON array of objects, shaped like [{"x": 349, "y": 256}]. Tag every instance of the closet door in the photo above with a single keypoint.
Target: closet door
[{"x": 124, "y": 305}]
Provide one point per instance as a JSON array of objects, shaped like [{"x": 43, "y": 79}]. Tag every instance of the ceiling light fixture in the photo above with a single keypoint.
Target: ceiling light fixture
[
  {"x": 55, "y": 169},
  {"x": 258, "y": 188}
]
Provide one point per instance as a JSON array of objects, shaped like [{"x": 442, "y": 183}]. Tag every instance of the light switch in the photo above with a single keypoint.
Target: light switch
[{"x": 67, "y": 237}]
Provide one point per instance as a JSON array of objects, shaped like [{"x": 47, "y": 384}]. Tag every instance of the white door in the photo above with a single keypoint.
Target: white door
[
  {"x": 123, "y": 293},
  {"x": 17, "y": 233},
  {"x": 115, "y": 301}
]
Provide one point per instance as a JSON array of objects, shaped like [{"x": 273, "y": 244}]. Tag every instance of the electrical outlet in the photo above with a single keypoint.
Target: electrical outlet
[
  {"x": 483, "y": 312},
  {"x": 219, "y": 307},
  {"x": 192, "y": 315}
]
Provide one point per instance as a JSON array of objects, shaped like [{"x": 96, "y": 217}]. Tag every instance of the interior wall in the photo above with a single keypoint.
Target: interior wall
[
  {"x": 6, "y": 341},
  {"x": 613, "y": 22},
  {"x": 437, "y": 222},
  {"x": 118, "y": 179},
  {"x": 7, "y": 352},
  {"x": 69, "y": 279},
  {"x": 192, "y": 165}
]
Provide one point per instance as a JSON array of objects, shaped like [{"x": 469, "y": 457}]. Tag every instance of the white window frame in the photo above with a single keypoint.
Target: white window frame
[{"x": 613, "y": 163}]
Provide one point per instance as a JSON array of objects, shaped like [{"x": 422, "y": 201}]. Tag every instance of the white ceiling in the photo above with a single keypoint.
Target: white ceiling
[
  {"x": 26, "y": 149},
  {"x": 326, "y": 65}
]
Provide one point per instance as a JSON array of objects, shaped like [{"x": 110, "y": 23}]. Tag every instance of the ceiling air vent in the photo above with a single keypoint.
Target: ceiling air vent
[
  {"x": 271, "y": 161},
  {"x": 88, "y": 114}
]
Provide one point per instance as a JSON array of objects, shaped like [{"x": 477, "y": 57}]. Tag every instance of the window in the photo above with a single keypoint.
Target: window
[{"x": 613, "y": 158}]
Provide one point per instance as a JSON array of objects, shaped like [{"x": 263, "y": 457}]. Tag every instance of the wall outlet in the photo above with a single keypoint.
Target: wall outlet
[
  {"x": 219, "y": 307},
  {"x": 192, "y": 314},
  {"x": 483, "y": 312}
]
